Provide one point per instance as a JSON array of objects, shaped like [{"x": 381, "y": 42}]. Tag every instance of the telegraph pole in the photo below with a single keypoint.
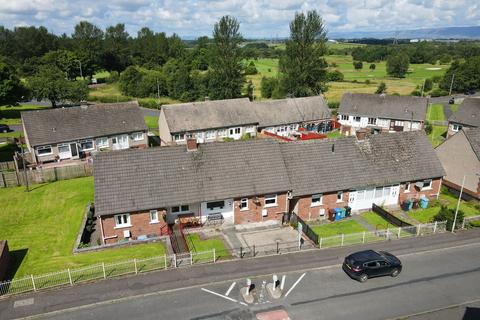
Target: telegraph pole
[
  {"x": 25, "y": 175},
  {"x": 451, "y": 85}
]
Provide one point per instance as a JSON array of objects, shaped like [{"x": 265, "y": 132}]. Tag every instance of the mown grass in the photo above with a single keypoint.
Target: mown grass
[
  {"x": 376, "y": 221},
  {"x": 152, "y": 122},
  {"x": 45, "y": 222},
  {"x": 205, "y": 247},
  {"x": 435, "y": 113},
  {"x": 337, "y": 228},
  {"x": 437, "y": 135},
  {"x": 454, "y": 107}
]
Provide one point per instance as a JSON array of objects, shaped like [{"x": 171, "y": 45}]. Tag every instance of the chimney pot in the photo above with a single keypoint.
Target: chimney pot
[{"x": 192, "y": 144}]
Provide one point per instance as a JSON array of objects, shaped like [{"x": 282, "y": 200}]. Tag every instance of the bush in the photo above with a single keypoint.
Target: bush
[
  {"x": 358, "y": 65},
  {"x": 416, "y": 93},
  {"x": 148, "y": 103},
  {"x": 438, "y": 92},
  {"x": 335, "y": 76},
  {"x": 448, "y": 214},
  {"x": 428, "y": 85},
  {"x": 367, "y": 81},
  {"x": 228, "y": 139},
  {"x": 436, "y": 79},
  {"x": 333, "y": 104},
  {"x": 474, "y": 224},
  {"x": 268, "y": 85},
  {"x": 251, "y": 69},
  {"x": 382, "y": 88},
  {"x": 372, "y": 66},
  {"x": 114, "y": 76},
  {"x": 333, "y": 65},
  {"x": 428, "y": 128},
  {"x": 245, "y": 137}
]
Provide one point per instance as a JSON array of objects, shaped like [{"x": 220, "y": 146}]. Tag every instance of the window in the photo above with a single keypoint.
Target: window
[
  {"x": 210, "y": 134},
  {"x": 282, "y": 129},
  {"x": 372, "y": 120},
  {"x": 292, "y": 127},
  {"x": 215, "y": 204},
  {"x": 137, "y": 136},
  {"x": 179, "y": 137},
  {"x": 407, "y": 186},
  {"x": 234, "y": 131},
  {"x": 344, "y": 117},
  {"x": 250, "y": 129},
  {"x": 270, "y": 200},
  {"x": 339, "y": 196},
  {"x": 102, "y": 142},
  {"x": 222, "y": 132},
  {"x": 398, "y": 123},
  {"x": 45, "y": 150},
  {"x": 244, "y": 204},
  {"x": 122, "y": 220},
  {"x": 378, "y": 192},
  {"x": 427, "y": 184},
  {"x": 369, "y": 194},
  {"x": 180, "y": 209},
  {"x": 153, "y": 216},
  {"x": 189, "y": 135},
  {"x": 86, "y": 144},
  {"x": 316, "y": 200},
  {"x": 371, "y": 264},
  {"x": 456, "y": 127},
  {"x": 356, "y": 119}
]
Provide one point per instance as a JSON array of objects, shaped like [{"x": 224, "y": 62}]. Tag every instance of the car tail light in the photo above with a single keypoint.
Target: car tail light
[{"x": 356, "y": 269}]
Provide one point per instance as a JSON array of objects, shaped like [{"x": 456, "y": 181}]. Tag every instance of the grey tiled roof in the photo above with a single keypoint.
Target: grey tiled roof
[
  {"x": 294, "y": 110},
  {"x": 208, "y": 114},
  {"x": 383, "y": 106},
  {"x": 468, "y": 113},
  {"x": 473, "y": 137},
  {"x": 73, "y": 123},
  {"x": 131, "y": 180},
  {"x": 235, "y": 112}
]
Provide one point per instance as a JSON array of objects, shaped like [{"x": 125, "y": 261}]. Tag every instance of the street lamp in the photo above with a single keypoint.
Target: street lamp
[
  {"x": 458, "y": 202},
  {"x": 80, "y": 63}
]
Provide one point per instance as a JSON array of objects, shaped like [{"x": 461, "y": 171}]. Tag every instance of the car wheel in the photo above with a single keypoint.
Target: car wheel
[
  {"x": 395, "y": 273},
  {"x": 5, "y": 131},
  {"x": 363, "y": 278}
]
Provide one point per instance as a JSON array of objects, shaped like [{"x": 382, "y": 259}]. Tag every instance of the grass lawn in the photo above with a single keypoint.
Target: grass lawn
[
  {"x": 469, "y": 208},
  {"x": 438, "y": 135},
  {"x": 338, "y": 228},
  {"x": 334, "y": 134},
  {"x": 152, "y": 122},
  {"x": 435, "y": 112},
  {"x": 43, "y": 225},
  {"x": 10, "y": 115},
  {"x": 376, "y": 221},
  {"x": 197, "y": 245},
  {"x": 454, "y": 107}
]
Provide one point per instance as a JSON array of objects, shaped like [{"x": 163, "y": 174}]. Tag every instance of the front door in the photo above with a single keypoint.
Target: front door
[
  {"x": 74, "y": 150},
  {"x": 235, "y": 133},
  {"x": 120, "y": 142},
  {"x": 64, "y": 151}
]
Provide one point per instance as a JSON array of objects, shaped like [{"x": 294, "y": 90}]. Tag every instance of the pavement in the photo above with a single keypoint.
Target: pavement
[{"x": 436, "y": 274}]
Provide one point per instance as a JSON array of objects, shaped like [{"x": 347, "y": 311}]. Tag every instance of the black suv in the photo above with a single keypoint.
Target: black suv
[
  {"x": 4, "y": 128},
  {"x": 368, "y": 264}
]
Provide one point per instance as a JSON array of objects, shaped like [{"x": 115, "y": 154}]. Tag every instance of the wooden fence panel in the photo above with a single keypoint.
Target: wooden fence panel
[{"x": 7, "y": 165}]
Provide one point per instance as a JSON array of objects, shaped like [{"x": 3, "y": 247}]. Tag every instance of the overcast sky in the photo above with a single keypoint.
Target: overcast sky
[{"x": 259, "y": 18}]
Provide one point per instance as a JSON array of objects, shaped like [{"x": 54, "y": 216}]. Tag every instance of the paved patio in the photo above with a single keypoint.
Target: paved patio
[{"x": 268, "y": 237}]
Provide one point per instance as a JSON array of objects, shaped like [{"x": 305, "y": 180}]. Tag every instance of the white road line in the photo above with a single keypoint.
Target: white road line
[
  {"x": 222, "y": 296},
  {"x": 230, "y": 289},
  {"x": 282, "y": 285},
  {"x": 295, "y": 284}
]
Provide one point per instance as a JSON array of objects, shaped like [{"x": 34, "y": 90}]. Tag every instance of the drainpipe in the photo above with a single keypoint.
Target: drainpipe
[
  {"x": 439, "y": 187},
  {"x": 101, "y": 228}
]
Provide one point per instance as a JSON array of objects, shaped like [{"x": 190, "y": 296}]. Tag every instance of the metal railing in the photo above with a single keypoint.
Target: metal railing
[{"x": 70, "y": 277}]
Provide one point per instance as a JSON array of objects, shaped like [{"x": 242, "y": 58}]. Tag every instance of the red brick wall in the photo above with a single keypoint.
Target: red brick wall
[
  {"x": 305, "y": 210},
  {"x": 254, "y": 212},
  {"x": 140, "y": 222},
  {"x": 415, "y": 193}
]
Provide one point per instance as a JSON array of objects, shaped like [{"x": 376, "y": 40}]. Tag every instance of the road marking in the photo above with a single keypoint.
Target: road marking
[
  {"x": 295, "y": 284},
  {"x": 222, "y": 296},
  {"x": 230, "y": 289},
  {"x": 282, "y": 285},
  {"x": 23, "y": 303},
  {"x": 156, "y": 293}
]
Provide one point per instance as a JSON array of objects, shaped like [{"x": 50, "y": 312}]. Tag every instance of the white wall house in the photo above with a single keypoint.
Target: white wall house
[
  {"x": 362, "y": 199},
  {"x": 390, "y": 125}
]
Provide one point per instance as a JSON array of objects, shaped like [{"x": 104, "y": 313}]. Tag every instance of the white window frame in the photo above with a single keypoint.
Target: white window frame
[
  {"x": 153, "y": 216},
  {"x": 407, "y": 187},
  {"x": 86, "y": 141},
  {"x": 344, "y": 117},
  {"x": 429, "y": 187},
  {"x": 317, "y": 200},
  {"x": 372, "y": 121},
  {"x": 249, "y": 129},
  {"x": 456, "y": 127},
  {"x": 124, "y": 219},
  {"x": 399, "y": 123},
  {"x": 210, "y": 135},
  {"x": 179, "y": 137},
  {"x": 357, "y": 117},
  {"x": 44, "y": 148},
  {"x": 269, "y": 197},
  {"x": 138, "y": 136},
  {"x": 222, "y": 133},
  {"x": 102, "y": 142},
  {"x": 180, "y": 208},
  {"x": 339, "y": 196},
  {"x": 244, "y": 204}
]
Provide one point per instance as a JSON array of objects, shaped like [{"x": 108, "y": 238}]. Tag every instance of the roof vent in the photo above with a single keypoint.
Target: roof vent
[{"x": 54, "y": 129}]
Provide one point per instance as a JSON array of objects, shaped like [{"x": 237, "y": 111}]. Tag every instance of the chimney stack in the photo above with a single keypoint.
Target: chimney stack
[
  {"x": 192, "y": 144},
  {"x": 361, "y": 134}
]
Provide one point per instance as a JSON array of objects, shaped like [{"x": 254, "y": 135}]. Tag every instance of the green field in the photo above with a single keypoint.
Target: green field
[
  {"x": 338, "y": 227},
  {"x": 152, "y": 122},
  {"x": 43, "y": 225},
  {"x": 376, "y": 221},
  {"x": 435, "y": 113}
]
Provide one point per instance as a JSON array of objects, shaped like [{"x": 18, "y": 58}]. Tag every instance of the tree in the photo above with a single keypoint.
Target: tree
[
  {"x": 467, "y": 75},
  {"x": 250, "y": 95},
  {"x": 268, "y": 86},
  {"x": 358, "y": 65},
  {"x": 226, "y": 76},
  {"x": 116, "y": 56},
  {"x": 50, "y": 83},
  {"x": 447, "y": 214},
  {"x": 11, "y": 88},
  {"x": 382, "y": 88},
  {"x": 88, "y": 46},
  {"x": 372, "y": 66},
  {"x": 64, "y": 60},
  {"x": 335, "y": 75},
  {"x": 303, "y": 66},
  {"x": 251, "y": 69},
  {"x": 428, "y": 85},
  {"x": 397, "y": 65},
  {"x": 428, "y": 128}
]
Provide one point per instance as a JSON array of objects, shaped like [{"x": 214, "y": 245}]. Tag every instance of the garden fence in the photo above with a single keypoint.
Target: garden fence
[
  {"x": 467, "y": 220},
  {"x": 70, "y": 277}
]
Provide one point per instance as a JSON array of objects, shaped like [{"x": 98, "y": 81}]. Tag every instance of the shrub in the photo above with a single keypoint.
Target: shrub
[
  {"x": 436, "y": 79},
  {"x": 148, "y": 103},
  {"x": 333, "y": 104},
  {"x": 382, "y": 88},
  {"x": 114, "y": 76},
  {"x": 228, "y": 139},
  {"x": 448, "y": 214},
  {"x": 333, "y": 65},
  {"x": 438, "y": 92},
  {"x": 358, "y": 65},
  {"x": 372, "y": 66},
  {"x": 367, "y": 81},
  {"x": 268, "y": 85},
  {"x": 251, "y": 69},
  {"x": 428, "y": 85},
  {"x": 335, "y": 76},
  {"x": 416, "y": 93},
  {"x": 245, "y": 137}
]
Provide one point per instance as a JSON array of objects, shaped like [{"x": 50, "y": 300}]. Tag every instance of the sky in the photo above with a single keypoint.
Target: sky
[{"x": 258, "y": 19}]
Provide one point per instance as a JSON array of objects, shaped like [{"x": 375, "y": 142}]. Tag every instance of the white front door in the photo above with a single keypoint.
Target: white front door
[
  {"x": 120, "y": 142},
  {"x": 235, "y": 133},
  {"x": 64, "y": 151}
]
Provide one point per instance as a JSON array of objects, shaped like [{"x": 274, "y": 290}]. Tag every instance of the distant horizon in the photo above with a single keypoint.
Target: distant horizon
[{"x": 258, "y": 19}]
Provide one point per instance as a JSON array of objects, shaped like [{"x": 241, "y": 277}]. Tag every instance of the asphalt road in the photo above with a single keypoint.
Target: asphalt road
[{"x": 430, "y": 279}]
